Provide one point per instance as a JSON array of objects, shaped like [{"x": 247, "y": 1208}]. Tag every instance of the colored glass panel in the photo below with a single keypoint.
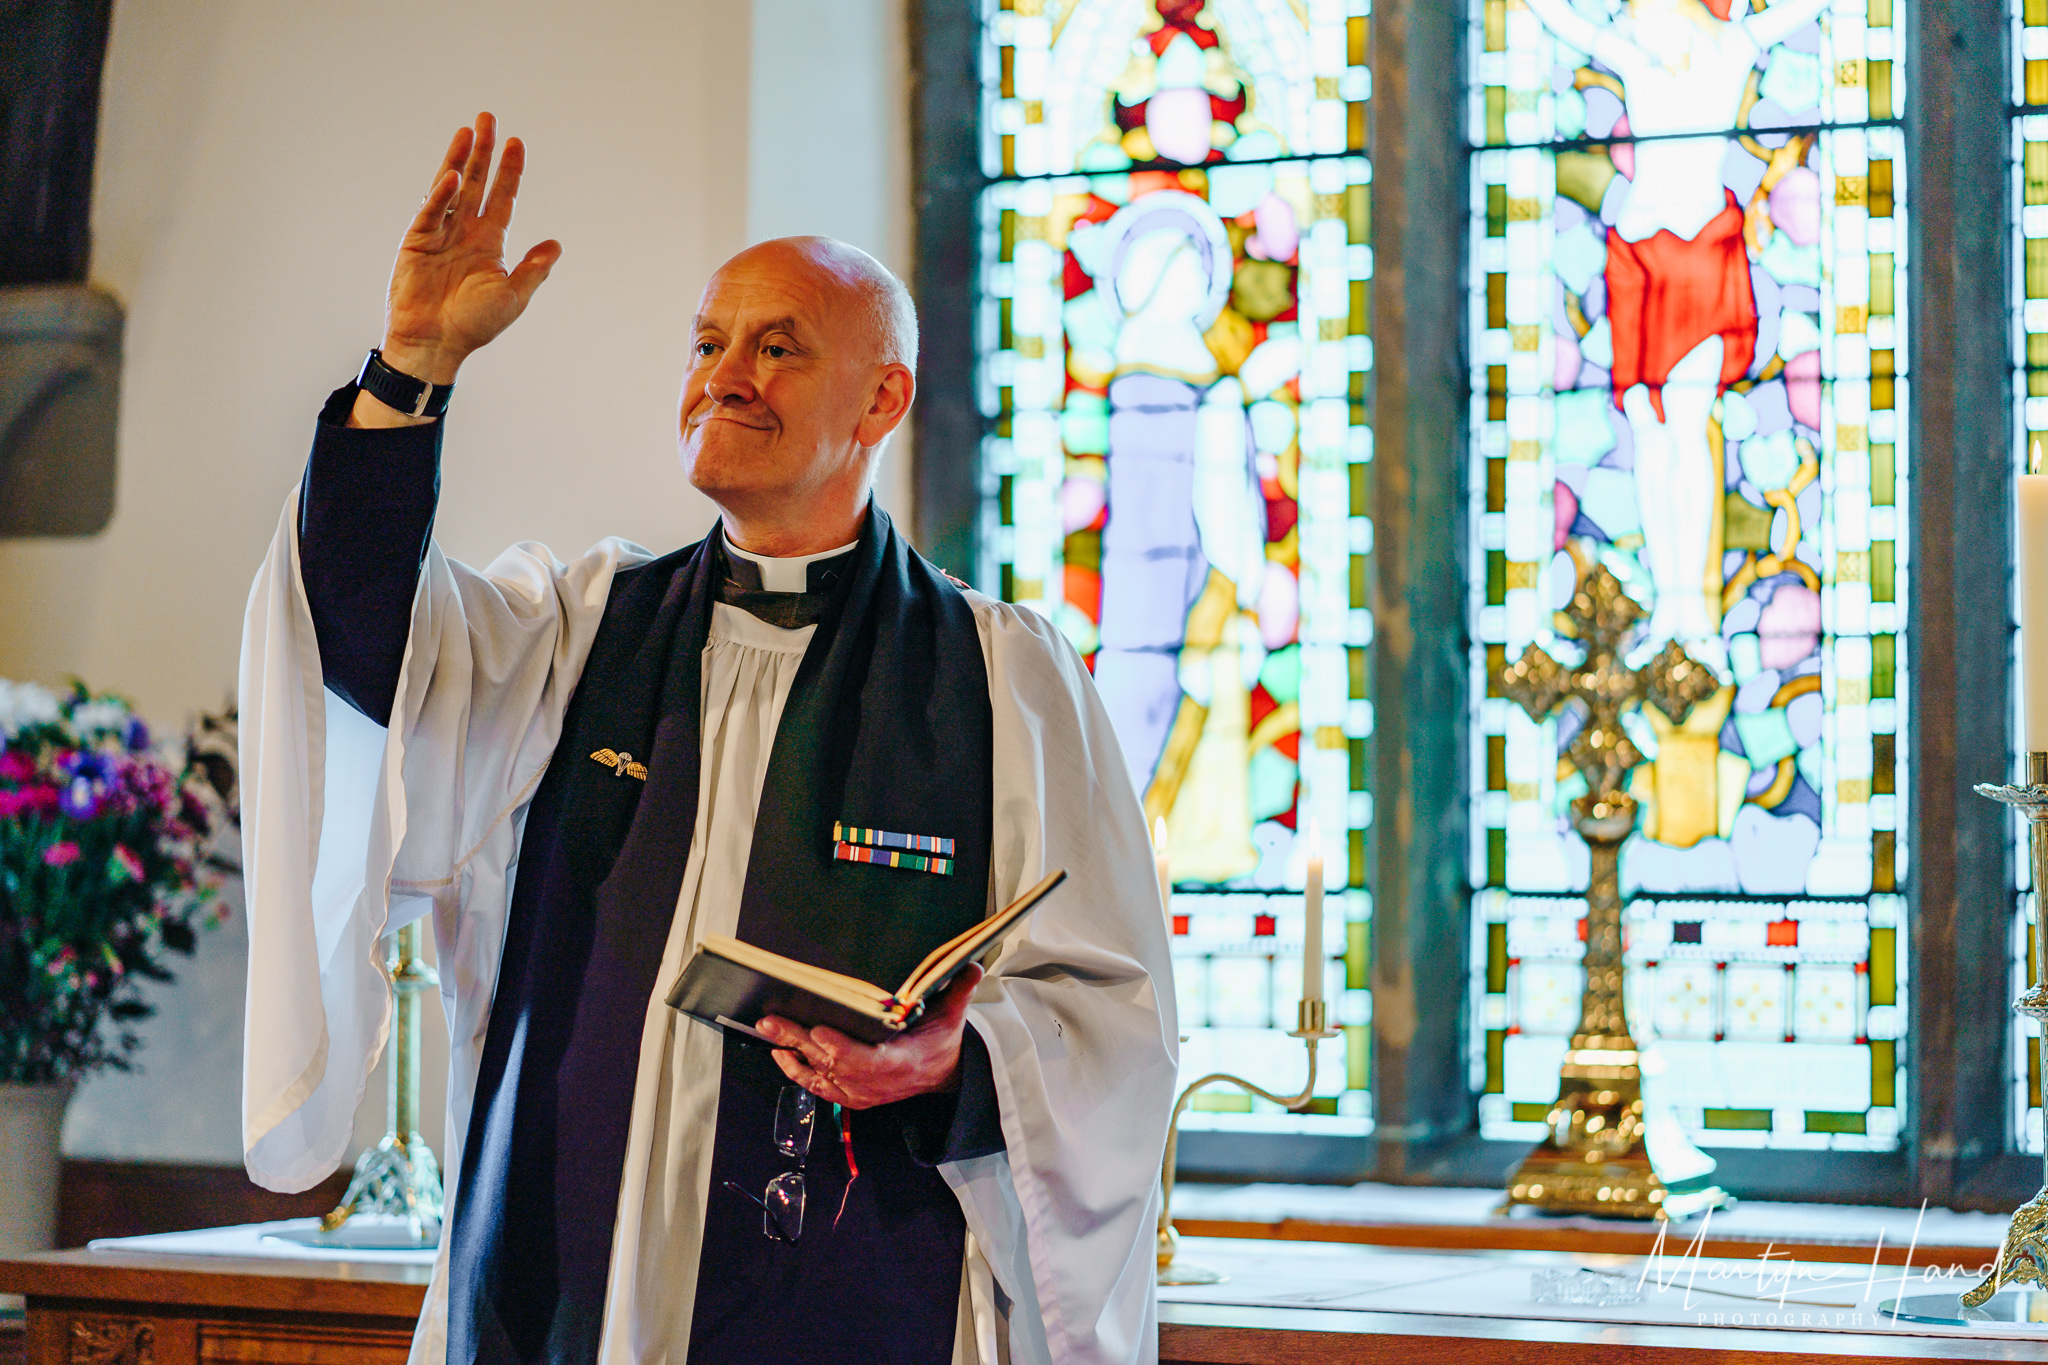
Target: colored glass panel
[
  {"x": 1687, "y": 299},
  {"x": 1175, "y": 342},
  {"x": 2029, "y": 277}
]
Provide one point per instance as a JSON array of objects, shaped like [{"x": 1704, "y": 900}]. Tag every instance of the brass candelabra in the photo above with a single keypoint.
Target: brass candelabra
[
  {"x": 1312, "y": 1027},
  {"x": 2023, "y": 1257}
]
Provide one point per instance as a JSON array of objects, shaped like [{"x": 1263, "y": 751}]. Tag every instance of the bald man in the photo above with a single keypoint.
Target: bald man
[{"x": 583, "y": 769}]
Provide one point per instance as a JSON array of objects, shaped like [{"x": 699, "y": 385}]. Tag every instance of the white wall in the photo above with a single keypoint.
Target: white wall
[
  {"x": 829, "y": 129},
  {"x": 258, "y": 160}
]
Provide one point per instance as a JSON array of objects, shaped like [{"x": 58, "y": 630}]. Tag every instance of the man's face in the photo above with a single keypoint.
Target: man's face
[{"x": 782, "y": 375}]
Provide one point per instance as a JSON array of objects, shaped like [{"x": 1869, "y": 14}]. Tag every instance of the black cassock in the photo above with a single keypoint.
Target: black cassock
[{"x": 887, "y": 725}]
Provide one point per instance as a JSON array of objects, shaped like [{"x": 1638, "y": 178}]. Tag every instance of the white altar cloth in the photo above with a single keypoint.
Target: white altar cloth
[
  {"x": 1676, "y": 1291},
  {"x": 251, "y": 1239}
]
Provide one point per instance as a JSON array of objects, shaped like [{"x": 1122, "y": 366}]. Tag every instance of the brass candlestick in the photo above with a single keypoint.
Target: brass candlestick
[
  {"x": 1312, "y": 1027},
  {"x": 398, "y": 1178},
  {"x": 2023, "y": 1257},
  {"x": 1595, "y": 1159}
]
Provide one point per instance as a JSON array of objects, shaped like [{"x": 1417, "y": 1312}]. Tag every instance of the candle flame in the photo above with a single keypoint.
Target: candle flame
[
  {"x": 1159, "y": 833},
  {"x": 2034, "y": 456},
  {"x": 1315, "y": 837}
]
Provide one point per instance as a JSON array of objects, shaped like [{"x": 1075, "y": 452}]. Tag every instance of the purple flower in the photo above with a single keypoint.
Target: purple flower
[
  {"x": 81, "y": 800},
  {"x": 61, "y": 854},
  {"x": 16, "y": 766},
  {"x": 138, "y": 733},
  {"x": 88, "y": 764}
]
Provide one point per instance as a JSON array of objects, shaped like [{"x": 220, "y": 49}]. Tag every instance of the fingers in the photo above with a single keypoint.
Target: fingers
[
  {"x": 807, "y": 1076},
  {"x": 952, "y": 1006},
  {"x": 476, "y": 171},
  {"x": 505, "y": 188},
  {"x": 803, "y": 1042},
  {"x": 458, "y": 149},
  {"x": 533, "y": 269},
  {"x": 834, "y": 1046},
  {"x": 434, "y": 208}
]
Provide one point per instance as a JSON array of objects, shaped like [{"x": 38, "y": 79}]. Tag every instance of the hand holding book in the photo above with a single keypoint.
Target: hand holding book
[
  {"x": 728, "y": 981},
  {"x": 845, "y": 1071}
]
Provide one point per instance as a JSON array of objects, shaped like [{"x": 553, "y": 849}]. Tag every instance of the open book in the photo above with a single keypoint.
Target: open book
[{"x": 730, "y": 984}]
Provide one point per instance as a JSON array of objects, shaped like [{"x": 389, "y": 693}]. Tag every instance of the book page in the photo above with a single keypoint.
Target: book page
[
  {"x": 950, "y": 954},
  {"x": 847, "y": 990}
]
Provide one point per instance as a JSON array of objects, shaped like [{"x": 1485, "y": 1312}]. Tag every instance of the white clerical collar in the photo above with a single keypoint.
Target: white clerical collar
[{"x": 786, "y": 575}]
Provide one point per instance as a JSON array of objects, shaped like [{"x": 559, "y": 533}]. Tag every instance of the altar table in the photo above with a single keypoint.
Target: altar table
[{"x": 1284, "y": 1302}]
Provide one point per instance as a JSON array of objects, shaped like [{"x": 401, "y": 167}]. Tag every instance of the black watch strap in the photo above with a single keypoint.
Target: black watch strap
[{"x": 394, "y": 389}]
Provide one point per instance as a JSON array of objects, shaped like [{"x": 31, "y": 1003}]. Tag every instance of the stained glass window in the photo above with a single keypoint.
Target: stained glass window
[
  {"x": 1174, "y": 348},
  {"x": 2030, "y": 403},
  {"x": 1689, "y": 359}
]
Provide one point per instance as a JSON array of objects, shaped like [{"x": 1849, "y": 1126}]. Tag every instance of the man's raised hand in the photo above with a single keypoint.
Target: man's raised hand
[{"x": 450, "y": 290}]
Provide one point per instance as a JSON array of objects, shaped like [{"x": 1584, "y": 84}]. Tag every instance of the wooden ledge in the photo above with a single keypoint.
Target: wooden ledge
[
  {"x": 1203, "y": 1334},
  {"x": 348, "y": 1289}
]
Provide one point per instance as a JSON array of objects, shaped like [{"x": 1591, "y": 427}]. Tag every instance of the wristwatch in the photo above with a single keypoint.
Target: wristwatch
[{"x": 413, "y": 397}]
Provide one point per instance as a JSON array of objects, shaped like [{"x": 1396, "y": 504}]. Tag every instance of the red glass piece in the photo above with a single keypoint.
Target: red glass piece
[
  {"x": 1083, "y": 587},
  {"x": 1281, "y": 514},
  {"x": 1262, "y": 705}
]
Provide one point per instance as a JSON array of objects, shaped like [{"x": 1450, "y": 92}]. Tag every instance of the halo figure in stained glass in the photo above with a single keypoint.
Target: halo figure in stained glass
[{"x": 1175, "y": 350}]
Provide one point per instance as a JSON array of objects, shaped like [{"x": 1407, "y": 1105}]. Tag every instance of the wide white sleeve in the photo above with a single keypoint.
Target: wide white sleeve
[
  {"x": 1077, "y": 1014},
  {"x": 350, "y": 830}
]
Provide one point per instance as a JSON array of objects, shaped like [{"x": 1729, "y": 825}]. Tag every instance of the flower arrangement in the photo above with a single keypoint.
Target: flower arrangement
[{"x": 104, "y": 870}]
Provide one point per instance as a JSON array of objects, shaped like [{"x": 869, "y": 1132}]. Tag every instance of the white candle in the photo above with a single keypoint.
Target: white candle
[
  {"x": 1312, "y": 904},
  {"x": 1162, "y": 868},
  {"x": 2032, "y": 568}
]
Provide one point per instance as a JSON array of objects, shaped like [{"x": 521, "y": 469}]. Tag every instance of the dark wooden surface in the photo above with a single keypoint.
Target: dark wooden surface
[
  {"x": 224, "y": 1282},
  {"x": 1419, "y": 844},
  {"x": 131, "y": 1198},
  {"x": 1214, "y": 1335},
  {"x": 947, "y": 423},
  {"x": 1959, "y": 376},
  {"x": 110, "y": 1308}
]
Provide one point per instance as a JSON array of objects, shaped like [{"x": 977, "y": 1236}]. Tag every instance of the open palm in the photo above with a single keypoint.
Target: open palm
[{"x": 450, "y": 289}]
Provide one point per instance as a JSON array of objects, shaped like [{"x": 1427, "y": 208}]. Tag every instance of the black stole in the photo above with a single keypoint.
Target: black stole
[{"x": 887, "y": 725}]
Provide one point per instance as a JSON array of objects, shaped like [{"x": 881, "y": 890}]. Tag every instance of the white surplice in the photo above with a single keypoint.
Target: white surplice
[{"x": 351, "y": 831}]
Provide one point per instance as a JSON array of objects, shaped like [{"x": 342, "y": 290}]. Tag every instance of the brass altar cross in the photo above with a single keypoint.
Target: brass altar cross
[{"x": 1594, "y": 1160}]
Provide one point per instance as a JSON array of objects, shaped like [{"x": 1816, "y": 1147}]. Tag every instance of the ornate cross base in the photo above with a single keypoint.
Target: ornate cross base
[{"x": 1596, "y": 1159}]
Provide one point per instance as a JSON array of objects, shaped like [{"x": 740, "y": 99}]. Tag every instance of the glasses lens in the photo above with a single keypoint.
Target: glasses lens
[
  {"x": 782, "y": 1207},
  {"x": 796, "y": 1115}
]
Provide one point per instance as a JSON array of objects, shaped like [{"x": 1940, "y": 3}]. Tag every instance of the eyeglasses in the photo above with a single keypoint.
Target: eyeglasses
[{"x": 782, "y": 1203}]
